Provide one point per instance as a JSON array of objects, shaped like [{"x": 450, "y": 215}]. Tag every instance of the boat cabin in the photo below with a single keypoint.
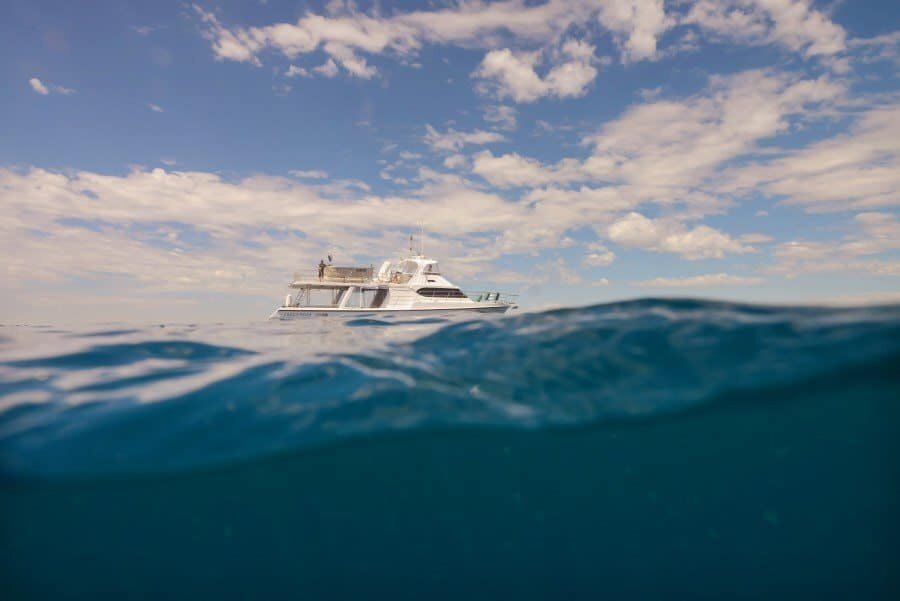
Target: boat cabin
[{"x": 337, "y": 296}]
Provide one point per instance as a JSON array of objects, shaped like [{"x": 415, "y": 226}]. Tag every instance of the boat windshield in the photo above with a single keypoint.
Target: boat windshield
[
  {"x": 432, "y": 269},
  {"x": 409, "y": 267}
]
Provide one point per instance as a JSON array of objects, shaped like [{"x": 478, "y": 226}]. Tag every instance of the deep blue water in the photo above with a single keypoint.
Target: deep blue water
[{"x": 650, "y": 449}]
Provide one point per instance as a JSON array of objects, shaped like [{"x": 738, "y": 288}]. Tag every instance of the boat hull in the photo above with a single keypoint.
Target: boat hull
[{"x": 289, "y": 313}]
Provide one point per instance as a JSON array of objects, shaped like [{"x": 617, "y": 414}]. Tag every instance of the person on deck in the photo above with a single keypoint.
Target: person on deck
[{"x": 321, "y": 269}]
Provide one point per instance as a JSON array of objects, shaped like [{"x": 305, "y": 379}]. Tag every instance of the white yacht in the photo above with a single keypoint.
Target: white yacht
[{"x": 413, "y": 285}]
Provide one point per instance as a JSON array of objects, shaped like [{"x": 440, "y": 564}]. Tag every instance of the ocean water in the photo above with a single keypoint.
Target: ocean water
[{"x": 648, "y": 449}]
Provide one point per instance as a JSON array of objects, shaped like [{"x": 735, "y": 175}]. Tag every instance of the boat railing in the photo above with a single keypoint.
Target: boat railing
[
  {"x": 493, "y": 296},
  {"x": 356, "y": 276}
]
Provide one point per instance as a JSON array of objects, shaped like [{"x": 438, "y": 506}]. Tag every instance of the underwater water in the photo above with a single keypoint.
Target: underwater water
[{"x": 646, "y": 449}]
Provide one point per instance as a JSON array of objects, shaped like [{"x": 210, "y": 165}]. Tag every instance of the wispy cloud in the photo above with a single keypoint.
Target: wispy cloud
[
  {"x": 598, "y": 255},
  {"x": 700, "y": 281},
  {"x": 309, "y": 174},
  {"x": 793, "y": 24},
  {"x": 502, "y": 116},
  {"x": 453, "y": 140},
  {"x": 145, "y": 30},
  {"x": 858, "y": 169},
  {"x": 45, "y": 89},
  {"x": 507, "y": 27},
  {"x": 673, "y": 149},
  {"x": 295, "y": 71},
  {"x": 869, "y": 247}
]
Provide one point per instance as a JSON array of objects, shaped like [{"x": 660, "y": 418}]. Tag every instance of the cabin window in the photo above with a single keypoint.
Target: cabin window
[
  {"x": 322, "y": 297},
  {"x": 432, "y": 269},
  {"x": 380, "y": 296},
  {"x": 441, "y": 292},
  {"x": 409, "y": 267},
  {"x": 372, "y": 298}
]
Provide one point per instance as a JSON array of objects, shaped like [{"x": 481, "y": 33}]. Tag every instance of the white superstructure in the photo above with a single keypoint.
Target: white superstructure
[{"x": 412, "y": 285}]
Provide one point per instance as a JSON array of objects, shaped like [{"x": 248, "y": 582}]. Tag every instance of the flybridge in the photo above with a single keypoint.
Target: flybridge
[{"x": 413, "y": 285}]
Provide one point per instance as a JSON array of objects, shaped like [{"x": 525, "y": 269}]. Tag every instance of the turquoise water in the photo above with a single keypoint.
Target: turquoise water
[{"x": 651, "y": 449}]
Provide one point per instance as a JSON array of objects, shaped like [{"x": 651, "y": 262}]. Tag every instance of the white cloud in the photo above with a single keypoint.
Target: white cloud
[
  {"x": 513, "y": 170},
  {"x": 328, "y": 69},
  {"x": 793, "y": 24},
  {"x": 667, "y": 143},
  {"x": 154, "y": 107},
  {"x": 518, "y": 34},
  {"x": 661, "y": 235},
  {"x": 38, "y": 87},
  {"x": 344, "y": 31},
  {"x": 854, "y": 170},
  {"x": 650, "y": 94},
  {"x": 387, "y": 175},
  {"x": 871, "y": 234},
  {"x": 557, "y": 270},
  {"x": 803, "y": 257},
  {"x": 452, "y": 140},
  {"x": 455, "y": 161},
  {"x": 294, "y": 71},
  {"x": 880, "y": 227},
  {"x": 353, "y": 63},
  {"x": 598, "y": 255},
  {"x": 512, "y": 75},
  {"x": 502, "y": 116},
  {"x": 672, "y": 151},
  {"x": 144, "y": 30},
  {"x": 44, "y": 89},
  {"x": 482, "y": 22},
  {"x": 239, "y": 45},
  {"x": 880, "y": 297},
  {"x": 755, "y": 238},
  {"x": 638, "y": 24},
  {"x": 247, "y": 223},
  {"x": 42, "y": 242},
  {"x": 406, "y": 160},
  {"x": 599, "y": 205},
  {"x": 282, "y": 89},
  {"x": 339, "y": 36},
  {"x": 310, "y": 174},
  {"x": 884, "y": 47},
  {"x": 700, "y": 281}
]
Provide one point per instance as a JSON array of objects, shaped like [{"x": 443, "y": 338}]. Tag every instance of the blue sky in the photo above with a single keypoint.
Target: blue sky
[{"x": 178, "y": 161}]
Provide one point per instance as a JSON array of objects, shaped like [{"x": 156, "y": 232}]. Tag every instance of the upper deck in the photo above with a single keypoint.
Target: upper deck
[
  {"x": 333, "y": 276},
  {"x": 417, "y": 271}
]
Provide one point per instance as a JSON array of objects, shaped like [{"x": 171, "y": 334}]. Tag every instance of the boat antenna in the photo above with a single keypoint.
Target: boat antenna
[
  {"x": 422, "y": 238},
  {"x": 410, "y": 244}
]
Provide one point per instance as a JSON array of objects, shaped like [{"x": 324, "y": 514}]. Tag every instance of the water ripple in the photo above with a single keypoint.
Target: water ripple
[{"x": 209, "y": 396}]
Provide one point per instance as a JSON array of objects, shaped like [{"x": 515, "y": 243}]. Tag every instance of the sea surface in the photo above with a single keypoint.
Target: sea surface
[{"x": 653, "y": 449}]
